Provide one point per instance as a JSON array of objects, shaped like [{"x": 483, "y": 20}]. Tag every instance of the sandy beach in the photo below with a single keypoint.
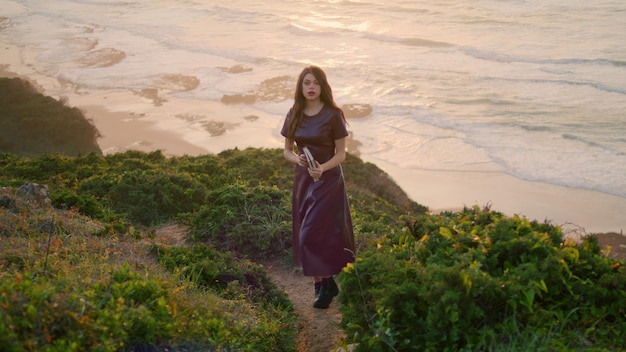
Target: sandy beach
[{"x": 232, "y": 126}]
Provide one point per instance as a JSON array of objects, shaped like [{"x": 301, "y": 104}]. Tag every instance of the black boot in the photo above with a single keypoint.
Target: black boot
[
  {"x": 328, "y": 290},
  {"x": 318, "y": 288}
]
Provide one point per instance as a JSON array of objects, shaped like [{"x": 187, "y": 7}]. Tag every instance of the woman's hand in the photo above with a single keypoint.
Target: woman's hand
[
  {"x": 291, "y": 156},
  {"x": 302, "y": 160},
  {"x": 317, "y": 172}
]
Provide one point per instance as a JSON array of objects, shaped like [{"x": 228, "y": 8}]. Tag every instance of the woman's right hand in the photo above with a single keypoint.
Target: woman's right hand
[
  {"x": 302, "y": 160},
  {"x": 291, "y": 156}
]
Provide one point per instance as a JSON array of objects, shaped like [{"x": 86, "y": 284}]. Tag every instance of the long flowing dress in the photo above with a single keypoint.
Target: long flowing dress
[{"x": 323, "y": 237}]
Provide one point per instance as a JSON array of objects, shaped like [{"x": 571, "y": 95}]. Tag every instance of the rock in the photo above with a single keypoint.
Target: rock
[
  {"x": 356, "y": 110},
  {"x": 35, "y": 193}
]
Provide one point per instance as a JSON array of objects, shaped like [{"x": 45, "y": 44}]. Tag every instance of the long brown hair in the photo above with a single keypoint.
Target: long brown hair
[{"x": 299, "y": 101}]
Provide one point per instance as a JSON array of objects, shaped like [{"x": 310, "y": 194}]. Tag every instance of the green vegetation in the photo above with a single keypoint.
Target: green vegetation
[
  {"x": 67, "y": 285},
  {"x": 481, "y": 281},
  {"x": 90, "y": 273},
  {"x": 95, "y": 271},
  {"x": 32, "y": 124}
]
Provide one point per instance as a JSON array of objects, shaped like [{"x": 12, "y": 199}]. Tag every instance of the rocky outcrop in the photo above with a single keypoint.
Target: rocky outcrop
[{"x": 35, "y": 194}]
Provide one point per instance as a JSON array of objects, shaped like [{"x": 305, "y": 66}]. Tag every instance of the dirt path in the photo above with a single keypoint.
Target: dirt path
[{"x": 319, "y": 329}]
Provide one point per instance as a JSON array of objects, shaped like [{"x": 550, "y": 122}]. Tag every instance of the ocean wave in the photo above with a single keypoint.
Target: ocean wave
[
  {"x": 402, "y": 10},
  {"x": 478, "y": 101},
  {"x": 542, "y": 154},
  {"x": 609, "y": 89},
  {"x": 107, "y": 3},
  {"x": 302, "y": 30},
  {"x": 410, "y": 41},
  {"x": 583, "y": 140},
  {"x": 536, "y": 128},
  {"x": 506, "y": 58},
  {"x": 238, "y": 15},
  {"x": 595, "y": 85},
  {"x": 581, "y": 169}
]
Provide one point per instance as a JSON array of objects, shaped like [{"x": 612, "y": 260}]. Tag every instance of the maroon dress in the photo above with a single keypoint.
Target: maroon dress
[{"x": 323, "y": 239}]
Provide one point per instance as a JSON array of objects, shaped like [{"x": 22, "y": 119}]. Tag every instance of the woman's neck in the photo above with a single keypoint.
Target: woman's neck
[{"x": 313, "y": 107}]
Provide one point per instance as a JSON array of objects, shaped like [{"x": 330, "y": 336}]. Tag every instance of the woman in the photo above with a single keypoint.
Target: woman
[{"x": 323, "y": 239}]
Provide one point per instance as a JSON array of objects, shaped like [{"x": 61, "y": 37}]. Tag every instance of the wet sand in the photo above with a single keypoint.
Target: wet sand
[{"x": 578, "y": 210}]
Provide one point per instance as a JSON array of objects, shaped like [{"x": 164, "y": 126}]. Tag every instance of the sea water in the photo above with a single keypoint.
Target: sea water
[{"x": 534, "y": 88}]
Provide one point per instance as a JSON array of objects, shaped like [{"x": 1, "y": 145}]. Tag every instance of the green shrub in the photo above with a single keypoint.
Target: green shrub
[
  {"x": 237, "y": 280},
  {"x": 121, "y": 311},
  {"x": 478, "y": 280},
  {"x": 220, "y": 271},
  {"x": 86, "y": 205},
  {"x": 256, "y": 166},
  {"x": 255, "y": 221},
  {"x": 151, "y": 197}
]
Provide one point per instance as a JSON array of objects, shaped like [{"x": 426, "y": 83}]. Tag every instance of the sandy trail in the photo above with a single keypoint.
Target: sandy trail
[{"x": 319, "y": 329}]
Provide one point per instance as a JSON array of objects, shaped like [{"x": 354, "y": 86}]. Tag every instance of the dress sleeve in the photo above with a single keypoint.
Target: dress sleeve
[
  {"x": 285, "y": 128},
  {"x": 339, "y": 125}
]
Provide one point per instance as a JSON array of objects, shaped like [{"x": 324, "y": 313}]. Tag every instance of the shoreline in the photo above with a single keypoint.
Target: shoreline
[{"x": 576, "y": 210}]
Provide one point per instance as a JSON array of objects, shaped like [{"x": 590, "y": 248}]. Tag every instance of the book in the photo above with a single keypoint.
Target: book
[{"x": 309, "y": 157}]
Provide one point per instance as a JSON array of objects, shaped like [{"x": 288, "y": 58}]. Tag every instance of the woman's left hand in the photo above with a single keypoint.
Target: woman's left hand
[{"x": 317, "y": 172}]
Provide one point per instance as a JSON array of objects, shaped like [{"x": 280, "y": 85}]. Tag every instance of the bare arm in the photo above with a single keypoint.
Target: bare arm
[
  {"x": 291, "y": 156},
  {"x": 338, "y": 158}
]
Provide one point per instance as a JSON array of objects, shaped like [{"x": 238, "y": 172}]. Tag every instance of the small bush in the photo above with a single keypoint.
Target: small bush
[
  {"x": 221, "y": 271},
  {"x": 254, "y": 221},
  {"x": 86, "y": 205}
]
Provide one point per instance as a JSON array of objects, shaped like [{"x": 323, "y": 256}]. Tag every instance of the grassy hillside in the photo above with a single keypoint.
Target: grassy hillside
[
  {"x": 67, "y": 285},
  {"x": 94, "y": 270}
]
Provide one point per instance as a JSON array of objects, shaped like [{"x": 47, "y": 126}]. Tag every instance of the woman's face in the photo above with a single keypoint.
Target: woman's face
[{"x": 311, "y": 87}]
